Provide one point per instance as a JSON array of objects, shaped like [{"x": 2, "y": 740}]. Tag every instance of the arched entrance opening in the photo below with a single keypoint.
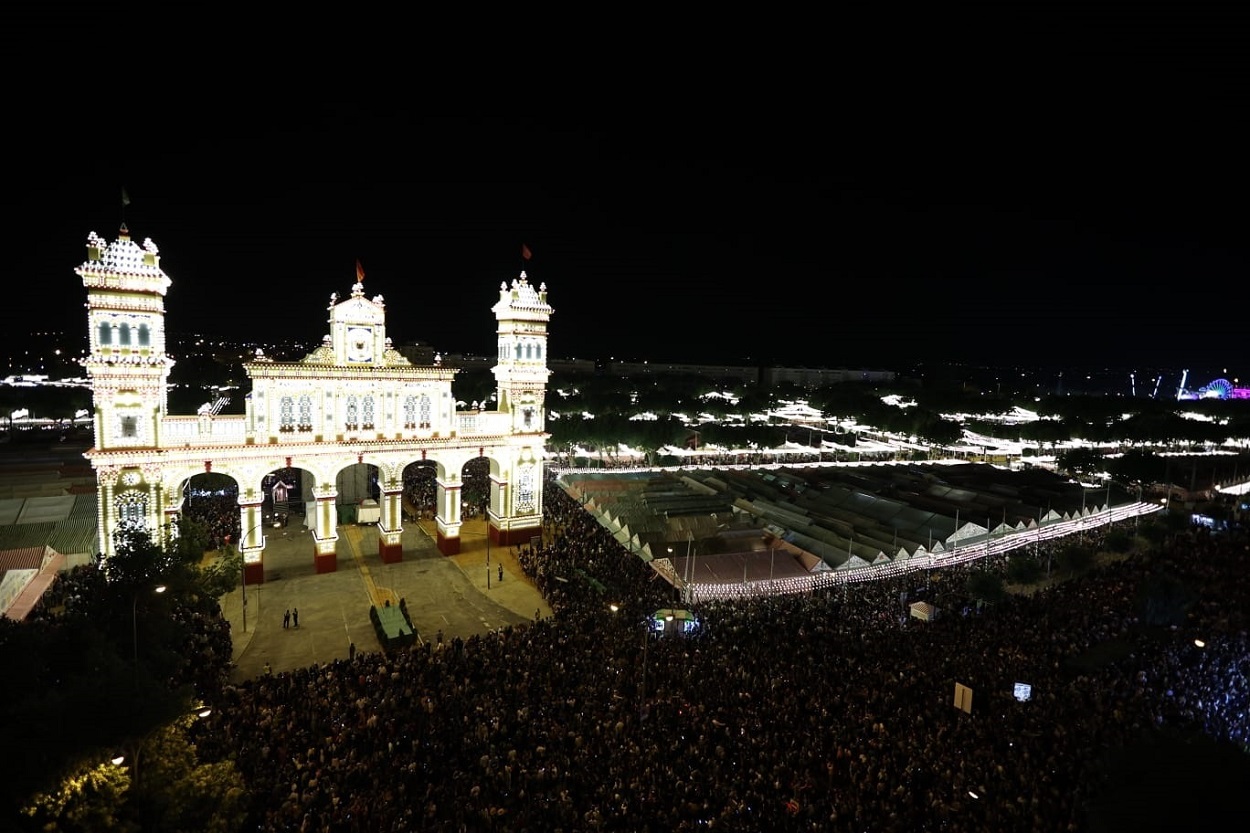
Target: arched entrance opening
[
  {"x": 359, "y": 494},
  {"x": 475, "y": 496},
  {"x": 288, "y": 493},
  {"x": 236, "y": 517},
  {"x": 212, "y": 500},
  {"x": 420, "y": 490}
]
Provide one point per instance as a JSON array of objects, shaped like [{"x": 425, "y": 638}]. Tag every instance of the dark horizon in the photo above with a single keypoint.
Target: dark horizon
[
  {"x": 721, "y": 246},
  {"x": 1141, "y": 381}
]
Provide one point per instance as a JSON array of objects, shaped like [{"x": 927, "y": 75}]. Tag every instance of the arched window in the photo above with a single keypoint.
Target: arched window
[
  {"x": 410, "y": 412},
  {"x": 426, "y": 410},
  {"x": 353, "y": 417},
  {"x": 525, "y": 490},
  {"x": 305, "y": 413},
  {"x": 123, "y": 335},
  {"x": 106, "y": 333},
  {"x": 144, "y": 336},
  {"x": 132, "y": 507}
]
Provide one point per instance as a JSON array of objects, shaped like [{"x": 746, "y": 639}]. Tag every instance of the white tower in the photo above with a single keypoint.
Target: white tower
[
  {"x": 521, "y": 374},
  {"x": 129, "y": 373},
  {"x": 126, "y": 359}
]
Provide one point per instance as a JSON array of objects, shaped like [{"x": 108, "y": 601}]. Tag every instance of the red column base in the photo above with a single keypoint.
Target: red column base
[
  {"x": 391, "y": 553},
  {"x": 448, "y": 546},
  {"x": 327, "y": 563},
  {"x": 255, "y": 573},
  {"x": 509, "y": 537}
]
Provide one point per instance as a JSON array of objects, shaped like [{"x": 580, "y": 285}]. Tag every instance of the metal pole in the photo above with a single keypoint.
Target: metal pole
[
  {"x": 1137, "y": 517},
  {"x": 134, "y": 625},
  {"x": 642, "y": 699},
  {"x": 1038, "y": 539},
  {"x": 243, "y": 573},
  {"x": 243, "y": 567},
  {"x": 685, "y": 586}
]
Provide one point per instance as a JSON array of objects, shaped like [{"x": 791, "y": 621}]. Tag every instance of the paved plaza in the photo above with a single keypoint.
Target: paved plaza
[{"x": 458, "y": 595}]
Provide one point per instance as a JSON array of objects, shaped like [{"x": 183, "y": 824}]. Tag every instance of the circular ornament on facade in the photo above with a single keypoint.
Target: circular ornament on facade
[{"x": 131, "y": 478}]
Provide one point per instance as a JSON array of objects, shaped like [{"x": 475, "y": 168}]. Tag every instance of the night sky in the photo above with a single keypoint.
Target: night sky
[{"x": 1070, "y": 231}]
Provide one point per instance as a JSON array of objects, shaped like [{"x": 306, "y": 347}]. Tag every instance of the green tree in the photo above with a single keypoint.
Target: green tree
[
  {"x": 1118, "y": 540},
  {"x": 107, "y": 671},
  {"x": 1080, "y": 462},
  {"x": 986, "y": 585},
  {"x": 1075, "y": 558},
  {"x": 1153, "y": 530},
  {"x": 90, "y": 799},
  {"x": 175, "y": 792},
  {"x": 158, "y": 783},
  {"x": 1164, "y": 599},
  {"x": 1023, "y": 569}
]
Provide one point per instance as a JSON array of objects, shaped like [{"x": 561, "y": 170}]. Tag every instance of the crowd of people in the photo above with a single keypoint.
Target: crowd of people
[
  {"x": 821, "y": 712},
  {"x": 218, "y": 511},
  {"x": 421, "y": 489}
]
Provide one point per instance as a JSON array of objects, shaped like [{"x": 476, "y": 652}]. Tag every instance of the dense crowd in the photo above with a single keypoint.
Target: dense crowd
[
  {"x": 218, "y": 511},
  {"x": 822, "y": 712},
  {"x": 421, "y": 489}
]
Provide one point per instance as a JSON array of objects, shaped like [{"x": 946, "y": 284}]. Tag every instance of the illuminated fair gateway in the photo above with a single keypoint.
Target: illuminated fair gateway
[{"x": 352, "y": 401}]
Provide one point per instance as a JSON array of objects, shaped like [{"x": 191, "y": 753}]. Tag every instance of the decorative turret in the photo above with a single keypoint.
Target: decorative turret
[
  {"x": 521, "y": 375},
  {"x": 126, "y": 360},
  {"x": 358, "y": 326}
]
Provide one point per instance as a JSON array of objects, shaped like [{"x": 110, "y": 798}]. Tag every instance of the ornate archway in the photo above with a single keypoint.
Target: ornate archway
[{"x": 354, "y": 401}]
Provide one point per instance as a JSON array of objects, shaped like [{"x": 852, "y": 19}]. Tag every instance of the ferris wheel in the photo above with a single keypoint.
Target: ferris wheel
[{"x": 1218, "y": 389}]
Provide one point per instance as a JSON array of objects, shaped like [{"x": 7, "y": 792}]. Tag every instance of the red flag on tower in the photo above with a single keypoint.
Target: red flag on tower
[
  {"x": 360, "y": 272},
  {"x": 525, "y": 252}
]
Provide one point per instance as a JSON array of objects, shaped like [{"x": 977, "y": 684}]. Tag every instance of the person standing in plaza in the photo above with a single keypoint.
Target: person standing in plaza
[
  {"x": 286, "y": 619},
  {"x": 295, "y": 617}
]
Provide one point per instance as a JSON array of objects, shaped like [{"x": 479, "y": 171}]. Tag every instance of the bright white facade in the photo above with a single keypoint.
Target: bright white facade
[{"x": 354, "y": 400}]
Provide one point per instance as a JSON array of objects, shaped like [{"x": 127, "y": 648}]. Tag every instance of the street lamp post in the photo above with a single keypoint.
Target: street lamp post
[
  {"x": 1137, "y": 512},
  {"x": 642, "y": 698},
  {"x": 243, "y": 575},
  {"x": 137, "y": 746},
  {"x": 134, "y": 626},
  {"x": 243, "y": 565},
  {"x": 685, "y": 585}
]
